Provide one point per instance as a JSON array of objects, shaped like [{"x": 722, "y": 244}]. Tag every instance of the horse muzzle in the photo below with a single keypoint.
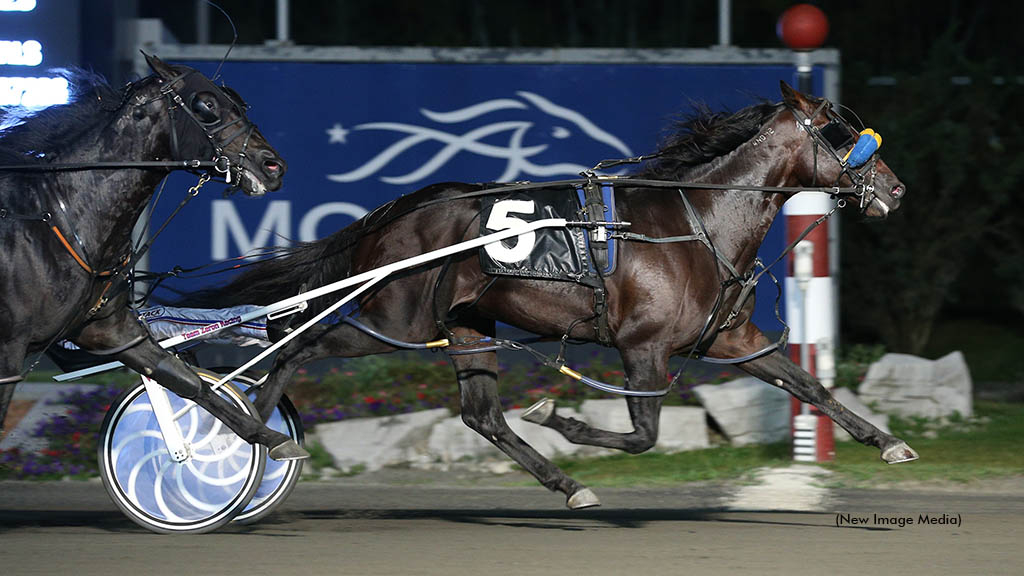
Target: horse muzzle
[
  {"x": 877, "y": 208},
  {"x": 263, "y": 174}
]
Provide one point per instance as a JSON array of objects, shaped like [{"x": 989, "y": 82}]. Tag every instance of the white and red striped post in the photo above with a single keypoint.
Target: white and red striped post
[{"x": 816, "y": 300}]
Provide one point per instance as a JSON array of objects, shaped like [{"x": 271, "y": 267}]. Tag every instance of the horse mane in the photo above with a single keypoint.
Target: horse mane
[
  {"x": 704, "y": 135},
  {"x": 28, "y": 136}
]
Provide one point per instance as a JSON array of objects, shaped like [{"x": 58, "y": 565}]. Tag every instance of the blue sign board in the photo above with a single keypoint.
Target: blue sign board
[{"x": 356, "y": 135}]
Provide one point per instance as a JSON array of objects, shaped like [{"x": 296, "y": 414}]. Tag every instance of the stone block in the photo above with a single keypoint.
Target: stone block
[
  {"x": 747, "y": 410},
  {"x": 374, "y": 443},
  {"x": 682, "y": 428},
  {"x": 452, "y": 441},
  {"x": 911, "y": 386}
]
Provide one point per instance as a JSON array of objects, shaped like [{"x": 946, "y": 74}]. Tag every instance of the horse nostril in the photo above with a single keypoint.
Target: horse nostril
[
  {"x": 271, "y": 167},
  {"x": 897, "y": 191}
]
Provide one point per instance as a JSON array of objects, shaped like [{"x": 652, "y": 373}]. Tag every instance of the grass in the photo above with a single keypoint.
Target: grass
[
  {"x": 984, "y": 447},
  {"x": 723, "y": 463},
  {"x": 988, "y": 446}
]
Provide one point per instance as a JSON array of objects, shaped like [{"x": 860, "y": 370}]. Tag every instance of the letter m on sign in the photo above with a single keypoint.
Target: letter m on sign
[{"x": 229, "y": 228}]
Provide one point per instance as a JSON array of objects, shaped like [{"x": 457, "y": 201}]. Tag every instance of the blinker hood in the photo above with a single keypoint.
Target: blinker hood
[{"x": 867, "y": 144}]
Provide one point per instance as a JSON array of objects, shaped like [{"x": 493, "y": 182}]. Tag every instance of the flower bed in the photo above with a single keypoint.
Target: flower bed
[
  {"x": 363, "y": 387},
  {"x": 73, "y": 438}
]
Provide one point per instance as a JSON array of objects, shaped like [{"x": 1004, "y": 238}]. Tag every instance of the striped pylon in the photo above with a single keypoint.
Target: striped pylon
[{"x": 801, "y": 211}]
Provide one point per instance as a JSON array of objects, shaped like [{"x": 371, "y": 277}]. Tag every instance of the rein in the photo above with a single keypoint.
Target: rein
[
  {"x": 221, "y": 165},
  {"x": 590, "y": 178}
]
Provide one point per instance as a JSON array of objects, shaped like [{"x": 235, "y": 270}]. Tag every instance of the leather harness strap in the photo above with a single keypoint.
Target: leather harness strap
[{"x": 81, "y": 262}]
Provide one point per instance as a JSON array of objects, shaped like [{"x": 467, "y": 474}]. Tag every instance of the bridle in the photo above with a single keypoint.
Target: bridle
[
  {"x": 209, "y": 122},
  {"x": 833, "y": 137},
  {"x": 219, "y": 162}
]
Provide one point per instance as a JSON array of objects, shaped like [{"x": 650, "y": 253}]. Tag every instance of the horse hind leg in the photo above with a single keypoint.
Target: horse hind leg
[
  {"x": 305, "y": 348},
  {"x": 481, "y": 411},
  {"x": 644, "y": 370},
  {"x": 6, "y": 395},
  {"x": 320, "y": 341}
]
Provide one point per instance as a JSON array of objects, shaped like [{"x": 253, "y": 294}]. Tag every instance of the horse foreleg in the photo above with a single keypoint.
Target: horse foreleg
[
  {"x": 645, "y": 370},
  {"x": 481, "y": 411},
  {"x": 778, "y": 370},
  {"x": 149, "y": 359}
]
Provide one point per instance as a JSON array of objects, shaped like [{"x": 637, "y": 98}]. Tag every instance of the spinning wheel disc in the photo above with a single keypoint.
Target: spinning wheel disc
[{"x": 200, "y": 494}]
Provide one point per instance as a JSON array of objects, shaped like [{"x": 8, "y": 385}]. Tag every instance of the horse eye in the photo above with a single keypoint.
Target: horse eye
[{"x": 205, "y": 108}]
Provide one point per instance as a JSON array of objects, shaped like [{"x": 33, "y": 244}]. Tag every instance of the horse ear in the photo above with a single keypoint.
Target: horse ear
[
  {"x": 791, "y": 97},
  {"x": 162, "y": 70}
]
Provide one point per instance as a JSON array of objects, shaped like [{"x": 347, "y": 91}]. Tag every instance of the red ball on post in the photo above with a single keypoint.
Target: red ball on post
[{"x": 802, "y": 27}]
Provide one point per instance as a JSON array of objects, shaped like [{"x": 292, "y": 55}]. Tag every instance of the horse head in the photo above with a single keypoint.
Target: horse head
[
  {"x": 832, "y": 152},
  {"x": 209, "y": 122}
]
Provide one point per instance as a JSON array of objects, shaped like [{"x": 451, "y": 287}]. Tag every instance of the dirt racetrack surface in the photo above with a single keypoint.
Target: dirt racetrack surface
[{"x": 479, "y": 526}]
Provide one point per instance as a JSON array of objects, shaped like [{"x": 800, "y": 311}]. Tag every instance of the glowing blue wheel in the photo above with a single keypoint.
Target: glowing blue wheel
[{"x": 199, "y": 492}]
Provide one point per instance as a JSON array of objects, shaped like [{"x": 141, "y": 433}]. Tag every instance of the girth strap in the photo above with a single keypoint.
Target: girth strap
[{"x": 594, "y": 208}]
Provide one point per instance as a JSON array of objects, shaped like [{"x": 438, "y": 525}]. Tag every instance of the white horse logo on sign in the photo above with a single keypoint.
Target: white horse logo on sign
[{"x": 521, "y": 159}]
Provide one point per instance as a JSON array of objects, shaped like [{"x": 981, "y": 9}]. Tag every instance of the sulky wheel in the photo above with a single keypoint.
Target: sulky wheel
[
  {"x": 203, "y": 492},
  {"x": 279, "y": 478}
]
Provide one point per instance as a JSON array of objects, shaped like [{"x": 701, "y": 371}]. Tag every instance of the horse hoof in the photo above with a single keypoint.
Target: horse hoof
[
  {"x": 582, "y": 499},
  {"x": 899, "y": 453},
  {"x": 540, "y": 412},
  {"x": 288, "y": 450}
]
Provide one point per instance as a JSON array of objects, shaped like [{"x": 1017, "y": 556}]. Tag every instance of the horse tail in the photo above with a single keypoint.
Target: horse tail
[{"x": 274, "y": 278}]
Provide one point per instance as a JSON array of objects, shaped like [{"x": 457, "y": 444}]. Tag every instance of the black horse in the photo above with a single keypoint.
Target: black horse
[
  {"x": 658, "y": 299},
  {"x": 74, "y": 180}
]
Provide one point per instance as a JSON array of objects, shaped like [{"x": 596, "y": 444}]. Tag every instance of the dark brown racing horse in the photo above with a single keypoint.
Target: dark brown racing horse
[
  {"x": 658, "y": 299},
  {"x": 74, "y": 180}
]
